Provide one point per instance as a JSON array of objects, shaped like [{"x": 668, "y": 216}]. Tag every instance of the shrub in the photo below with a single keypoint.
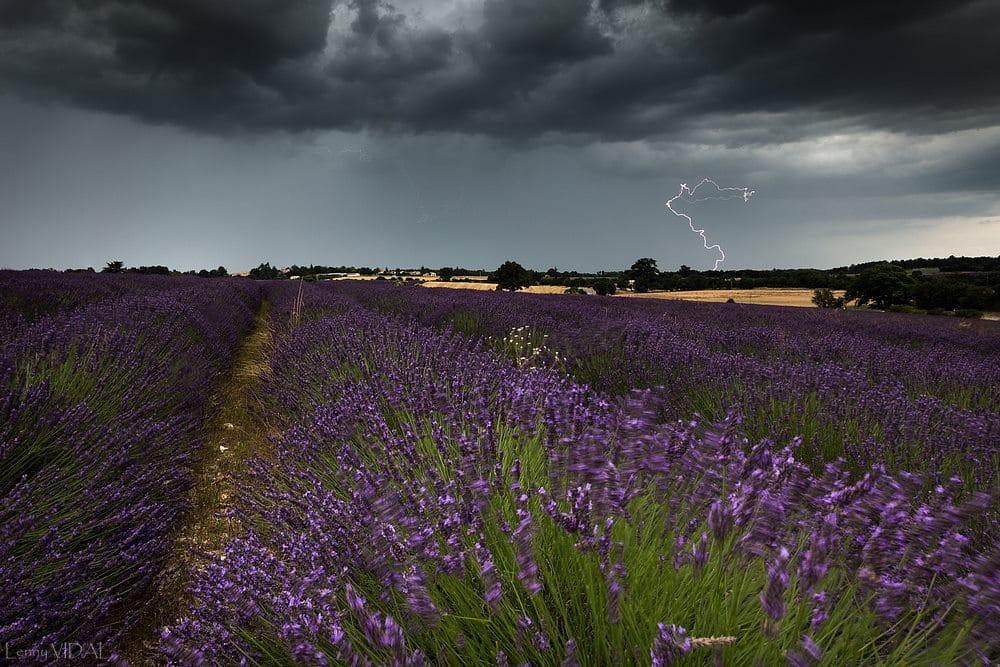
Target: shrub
[
  {"x": 824, "y": 298},
  {"x": 605, "y": 286},
  {"x": 512, "y": 276},
  {"x": 903, "y": 308}
]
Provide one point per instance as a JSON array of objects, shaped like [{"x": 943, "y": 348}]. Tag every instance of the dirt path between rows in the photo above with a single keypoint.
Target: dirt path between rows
[{"x": 234, "y": 433}]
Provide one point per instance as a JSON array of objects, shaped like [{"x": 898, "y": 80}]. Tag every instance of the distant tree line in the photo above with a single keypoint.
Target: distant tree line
[
  {"x": 891, "y": 287},
  {"x": 971, "y": 284},
  {"x": 319, "y": 269},
  {"x": 951, "y": 284},
  {"x": 447, "y": 273},
  {"x": 118, "y": 266},
  {"x": 645, "y": 276},
  {"x": 949, "y": 264}
]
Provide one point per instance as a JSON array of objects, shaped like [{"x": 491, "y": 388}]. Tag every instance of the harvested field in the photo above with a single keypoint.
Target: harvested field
[
  {"x": 475, "y": 286},
  {"x": 545, "y": 289},
  {"x": 765, "y": 296},
  {"x": 534, "y": 289}
]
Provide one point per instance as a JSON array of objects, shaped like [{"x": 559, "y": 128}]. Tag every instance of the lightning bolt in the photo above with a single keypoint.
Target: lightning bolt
[{"x": 723, "y": 193}]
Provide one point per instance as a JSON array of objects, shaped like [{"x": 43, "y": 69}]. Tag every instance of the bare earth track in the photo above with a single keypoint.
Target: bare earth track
[{"x": 233, "y": 434}]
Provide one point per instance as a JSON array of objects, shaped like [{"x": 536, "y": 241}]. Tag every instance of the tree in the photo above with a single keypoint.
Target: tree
[
  {"x": 882, "y": 286},
  {"x": 266, "y": 272},
  {"x": 156, "y": 270},
  {"x": 824, "y": 298},
  {"x": 644, "y": 273},
  {"x": 114, "y": 267},
  {"x": 446, "y": 273},
  {"x": 604, "y": 286},
  {"x": 512, "y": 276},
  {"x": 939, "y": 293}
]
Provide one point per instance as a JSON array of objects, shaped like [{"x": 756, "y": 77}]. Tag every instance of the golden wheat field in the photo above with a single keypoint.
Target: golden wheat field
[
  {"x": 482, "y": 286},
  {"x": 764, "y": 296}
]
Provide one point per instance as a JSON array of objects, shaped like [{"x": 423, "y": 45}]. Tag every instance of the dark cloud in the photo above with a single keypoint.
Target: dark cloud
[
  {"x": 627, "y": 69},
  {"x": 383, "y": 48},
  {"x": 190, "y": 35},
  {"x": 537, "y": 35},
  {"x": 18, "y": 14},
  {"x": 800, "y": 16}
]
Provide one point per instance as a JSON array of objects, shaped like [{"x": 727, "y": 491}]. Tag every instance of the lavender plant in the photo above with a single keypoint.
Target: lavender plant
[
  {"x": 475, "y": 479},
  {"x": 100, "y": 420},
  {"x": 901, "y": 391},
  {"x": 434, "y": 502}
]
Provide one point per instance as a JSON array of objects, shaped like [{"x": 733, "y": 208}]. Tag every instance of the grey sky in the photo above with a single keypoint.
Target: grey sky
[{"x": 195, "y": 133}]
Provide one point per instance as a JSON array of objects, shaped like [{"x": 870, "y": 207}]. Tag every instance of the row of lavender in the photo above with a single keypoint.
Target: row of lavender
[
  {"x": 898, "y": 390},
  {"x": 101, "y": 406},
  {"x": 434, "y": 502},
  {"x": 28, "y": 295}
]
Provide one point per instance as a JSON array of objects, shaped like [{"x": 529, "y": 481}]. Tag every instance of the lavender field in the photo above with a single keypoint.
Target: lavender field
[{"x": 489, "y": 479}]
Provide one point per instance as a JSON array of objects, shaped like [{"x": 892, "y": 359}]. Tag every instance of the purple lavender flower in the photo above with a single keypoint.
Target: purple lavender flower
[
  {"x": 772, "y": 598},
  {"x": 809, "y": 653},
  {"x": 487, "y": 570},
  {"x": 820, "y": 612},
  {"x": 527, "y": 571},
  {"x": 719, "y": 521},
  {"x": 699, "y": 553},
  {"x": 671, "y": 642},
  {"x": 569, "y": 659}
]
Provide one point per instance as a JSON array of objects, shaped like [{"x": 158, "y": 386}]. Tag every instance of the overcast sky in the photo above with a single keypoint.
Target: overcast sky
[{"x": 195, "y": 133}]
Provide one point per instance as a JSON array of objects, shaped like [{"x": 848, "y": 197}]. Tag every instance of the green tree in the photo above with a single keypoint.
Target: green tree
[
  {"x": 266, "y": 272},
  {"x": 114, "y": 267},
  {"x": 824, "y": 298},
  {"x": 882, "y": 286},
  {"x": 512, "y": 276},
  {"x": 644, "y": 272},
  {"x": 604, "y": 286},
  {"x": 939, "y": 293},
  {"x": 157, "y": 269},
  {"x": 446, "y": 273}
]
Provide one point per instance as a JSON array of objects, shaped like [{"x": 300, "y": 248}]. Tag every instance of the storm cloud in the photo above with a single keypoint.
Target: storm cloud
[
  {"x": 510, "y": 69},
  {"x": 448, "y": 132}
]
